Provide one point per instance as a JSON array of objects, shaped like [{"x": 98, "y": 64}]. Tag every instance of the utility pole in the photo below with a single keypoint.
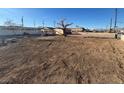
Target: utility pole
[
  {"x": 22, "y": 21},
  {"x": 22, "y": 24},
  {"x": 34, "y": 25},
  {"x": 43, "y": 23},
  {"x": 43, "y": 26},
  {"x": 115, "y": 24},
  {"x": 110, "y": 24},
  {"x": 54, "y": 23}
]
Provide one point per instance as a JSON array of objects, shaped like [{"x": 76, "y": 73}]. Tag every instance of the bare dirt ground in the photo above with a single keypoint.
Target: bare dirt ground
[
  {"x": 97, "y": 35},
  {"x": 73, "y": 59}
]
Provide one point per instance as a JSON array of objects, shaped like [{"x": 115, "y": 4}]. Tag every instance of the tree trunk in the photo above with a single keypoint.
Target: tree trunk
[{"x": 64, "y": 32}]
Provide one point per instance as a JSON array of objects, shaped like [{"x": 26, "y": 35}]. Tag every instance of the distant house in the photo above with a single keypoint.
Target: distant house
[
  {"x": 58, "y": 31},
  {"x": 48, "y": 31},
  {"x": 55, "y": 31},
  {"x": 77, "y": 29}
]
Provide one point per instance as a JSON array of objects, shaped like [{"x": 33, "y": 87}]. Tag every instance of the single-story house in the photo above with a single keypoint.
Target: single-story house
[
  {"x": 48, "y": 31},
  {"x": 58, "y": 31}
]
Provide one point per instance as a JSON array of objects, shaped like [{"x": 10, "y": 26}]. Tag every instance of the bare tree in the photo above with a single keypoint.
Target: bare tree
[
  {"x": 64, "y": 26},
  {"x": 9, "y": 23}
]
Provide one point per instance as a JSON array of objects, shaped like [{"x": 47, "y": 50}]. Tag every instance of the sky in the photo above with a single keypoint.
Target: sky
[{"x": 91, "y": 18}]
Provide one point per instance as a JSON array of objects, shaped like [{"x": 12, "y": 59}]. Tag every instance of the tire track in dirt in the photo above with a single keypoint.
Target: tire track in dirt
[
  {"x": 117, "y": 53},
  {"x": 70, "y": 60},
  {"x": 25, "y": 61}
]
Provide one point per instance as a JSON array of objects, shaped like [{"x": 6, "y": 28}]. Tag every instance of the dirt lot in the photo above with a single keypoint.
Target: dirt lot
[
  {"x": 63, "y": 60},
  {"x": 97, "y": 35}
]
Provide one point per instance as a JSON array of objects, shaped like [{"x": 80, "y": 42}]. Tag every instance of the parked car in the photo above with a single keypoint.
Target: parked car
[{"x": 11, "y": 40}]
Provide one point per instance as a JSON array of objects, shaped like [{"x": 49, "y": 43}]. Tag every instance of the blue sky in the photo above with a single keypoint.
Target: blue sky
[{"x": 84, "y": 17}]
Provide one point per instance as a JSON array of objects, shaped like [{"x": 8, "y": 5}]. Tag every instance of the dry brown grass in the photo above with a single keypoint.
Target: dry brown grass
[{"x": 63, "y": 60}]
